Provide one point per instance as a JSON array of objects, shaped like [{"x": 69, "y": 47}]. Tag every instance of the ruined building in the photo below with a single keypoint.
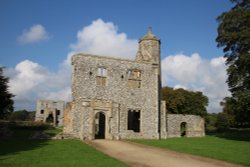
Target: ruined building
[
  {"x": 116, "y": 98},
  {"x": 49, "y": 111}
]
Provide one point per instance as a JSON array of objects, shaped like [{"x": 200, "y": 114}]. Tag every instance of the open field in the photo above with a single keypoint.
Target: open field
[
  {"x": 19, "y": 151},
  {"x": 231, "y": 146}
]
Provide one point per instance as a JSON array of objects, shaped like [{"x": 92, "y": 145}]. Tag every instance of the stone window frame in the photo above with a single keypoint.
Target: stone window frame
[
  {"x": 42, "y": 111},
  {"x": 140, "y": 119},
  {"x": 101, "y": 76},
  {"x": 134, "y": 78}
]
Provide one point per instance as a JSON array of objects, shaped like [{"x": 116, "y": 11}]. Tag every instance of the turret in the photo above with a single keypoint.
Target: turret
[{"x": 149, "y": 48}]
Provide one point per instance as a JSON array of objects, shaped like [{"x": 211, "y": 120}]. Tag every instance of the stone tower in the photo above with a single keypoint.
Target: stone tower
[
  {"x": 149, "y": 49},
  {"x": 116, "y": 98}
]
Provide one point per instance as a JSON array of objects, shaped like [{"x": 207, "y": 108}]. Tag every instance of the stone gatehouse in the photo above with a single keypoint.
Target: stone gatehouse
[
  {"x": 116, "y": 98},
  {"x": 49, "y": 111}
]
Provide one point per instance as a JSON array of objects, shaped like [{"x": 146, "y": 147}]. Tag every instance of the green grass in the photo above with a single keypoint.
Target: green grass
[
  {"x": 24, "y": 131},
  {"x": 234, "y": 151},
  {"x": 53, "y": 131},
  {"x": 19, "y": 151},
  {"x": 52, "y": 153}
]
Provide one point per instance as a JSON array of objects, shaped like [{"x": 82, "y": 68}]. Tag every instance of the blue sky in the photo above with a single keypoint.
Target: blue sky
[{"x": 187, "y": 30}]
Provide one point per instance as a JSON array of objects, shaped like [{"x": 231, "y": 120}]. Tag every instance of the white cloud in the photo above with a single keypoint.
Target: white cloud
[
  {"x": 35, "y": 33},
  {"x": 179, "y": 66},
  {"x": 30, "y": 81},
  {"x": 178, "y": 86},
  {"x": 103, "y": 38},
  {"x": 194, "y": 73}
]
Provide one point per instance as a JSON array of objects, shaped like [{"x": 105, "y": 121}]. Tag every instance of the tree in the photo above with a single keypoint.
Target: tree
[
  {"x": 22, "y": 115},
  {"x": 229, "y": 105},
  {"x": 6, "y": 103},
  {"x": 180, "y": 101},
  {"x": 223, "y": 121},
  {"x": 211, "y": 121},
  {"x": 234, "y": 37},
  {"x": 174, "y": 100}
]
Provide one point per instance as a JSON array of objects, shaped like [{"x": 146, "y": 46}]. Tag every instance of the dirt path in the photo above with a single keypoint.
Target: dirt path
[{"x": 138, "y": 155}]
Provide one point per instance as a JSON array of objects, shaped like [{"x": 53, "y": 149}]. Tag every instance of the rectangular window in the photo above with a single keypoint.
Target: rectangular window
[
  {"x": 134, "y": 120},
  {"x": 57, "y": 112},
  {"x": 42, "y": 111},
  {"x": 101, "y": 76},
  {"x": 134, "y": 78}
]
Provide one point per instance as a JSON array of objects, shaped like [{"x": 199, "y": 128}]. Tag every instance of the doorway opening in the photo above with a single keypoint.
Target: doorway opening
[
  {"x": 50, "y": 118},
  {"x": 183, "y": 129},
  {"x": 100, "y": 125}
]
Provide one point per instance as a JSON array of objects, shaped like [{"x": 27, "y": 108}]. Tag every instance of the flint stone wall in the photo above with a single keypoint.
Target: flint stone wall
[
  {"x": 50, "y": 107},
  {"x": 194, "y": 125},
  {"x": 115, "y": 98}
]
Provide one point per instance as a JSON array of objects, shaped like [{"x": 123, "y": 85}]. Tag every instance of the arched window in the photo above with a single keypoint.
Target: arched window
[{"x": 183, "y": 129}]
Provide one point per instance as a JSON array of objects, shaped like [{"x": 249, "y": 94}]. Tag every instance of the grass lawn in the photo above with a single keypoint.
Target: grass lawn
[
  {"x": 213, "y": 146},
  {"x": 52, "y": 153},
  {"x": 19, "y": 151}
]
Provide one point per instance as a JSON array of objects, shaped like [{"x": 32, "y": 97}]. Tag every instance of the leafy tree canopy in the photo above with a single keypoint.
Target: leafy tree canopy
[
  {"x": 6, "y": 103},
  {"x": 180, "y": 101},
  {"x": 234, "y": 37}
]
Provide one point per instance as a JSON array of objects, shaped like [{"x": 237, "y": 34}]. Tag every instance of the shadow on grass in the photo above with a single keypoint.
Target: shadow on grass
[
  {"x": 16, "y": 137},
  {"x": 232, "y": 134},
  {"x": 14, "y": 146}
]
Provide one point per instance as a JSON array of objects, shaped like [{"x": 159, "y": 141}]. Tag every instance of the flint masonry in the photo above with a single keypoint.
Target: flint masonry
[{"x": 120, "y": 99}]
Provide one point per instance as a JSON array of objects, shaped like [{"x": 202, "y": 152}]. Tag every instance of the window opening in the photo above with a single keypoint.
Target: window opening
[
  {"x": 134, "y": 120},
  {"x": 134, "y": 78},
  {"x": 57, "y": 112},
  {"x": 183, "y": 129},
  {"x": 101, "y": 76}
]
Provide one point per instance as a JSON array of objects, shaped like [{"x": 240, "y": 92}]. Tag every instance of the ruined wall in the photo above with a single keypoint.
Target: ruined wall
[
  {"x": 163, "y": 120},
  {"x": 119, "y": 88},
  {"x": 194, "y": 125},
  {"x": 117, "y": 91},
  {"x": 67, "y": 120},
  {"x": 46, "y": 107}
]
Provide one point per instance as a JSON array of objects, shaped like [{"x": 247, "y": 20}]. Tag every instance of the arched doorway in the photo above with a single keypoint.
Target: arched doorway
[
  {"x": 50, "y": 118},
  {"x": 183, "y": 129},
  {"x": 100, "y": 125}
]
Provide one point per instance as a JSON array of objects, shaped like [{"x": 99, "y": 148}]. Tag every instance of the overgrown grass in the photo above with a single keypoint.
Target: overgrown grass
[
  {"x": 52, "y": 153},
  {"x": 219, "y": 146}
]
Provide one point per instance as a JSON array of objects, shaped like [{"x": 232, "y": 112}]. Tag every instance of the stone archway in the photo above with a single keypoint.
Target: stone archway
[
  {"x": 100, "y": 125},
  {"x": 183, "y": 129},
  {"x": 50, "y": 118}
]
